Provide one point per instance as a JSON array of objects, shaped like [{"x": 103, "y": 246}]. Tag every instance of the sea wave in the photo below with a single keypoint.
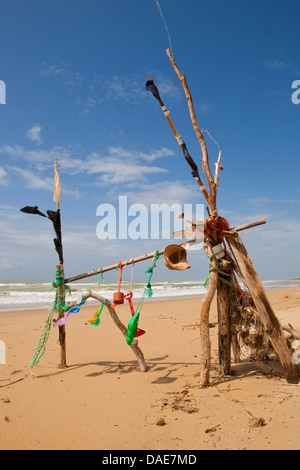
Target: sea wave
[{"x": 32, "y": 295}]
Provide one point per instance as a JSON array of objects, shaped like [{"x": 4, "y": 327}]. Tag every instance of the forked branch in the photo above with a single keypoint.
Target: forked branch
[{"x": 199, "y": 134}]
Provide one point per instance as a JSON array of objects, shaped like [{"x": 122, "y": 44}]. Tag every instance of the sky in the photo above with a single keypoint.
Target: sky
[{"x": 75, "y": 73}]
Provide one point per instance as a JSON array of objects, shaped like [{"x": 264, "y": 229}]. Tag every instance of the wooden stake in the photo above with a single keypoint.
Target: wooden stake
[
  {"x": 205, "y": 345},
  {"x": 265, "y": 311},
  {"x": 62, "y": 329},
  {"x": 224, "y": 322}
]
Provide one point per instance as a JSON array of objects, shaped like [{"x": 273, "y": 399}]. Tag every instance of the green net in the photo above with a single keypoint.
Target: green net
[{"x": 58, "y": 305}]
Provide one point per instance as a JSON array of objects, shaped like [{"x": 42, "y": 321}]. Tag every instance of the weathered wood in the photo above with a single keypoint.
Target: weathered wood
[
  {"x": 151, "y": 255},
  {"x": 205, "y": 345},
  {"x": 113, "y": 266},
  {"x": 199, "y": 134},
  {"x": 134, "y": 345},
  {"x": 265, "y": 311},
  {"x": 62, "y": 329},
  {"x": 245, "y": 226},
  {"x": 223, "y": 307}
]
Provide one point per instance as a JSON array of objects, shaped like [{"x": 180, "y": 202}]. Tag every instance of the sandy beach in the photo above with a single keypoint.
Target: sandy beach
[{"x": 102, "y": 400}]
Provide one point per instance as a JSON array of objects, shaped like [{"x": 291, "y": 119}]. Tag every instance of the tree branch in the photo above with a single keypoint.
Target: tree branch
[
  {"x": 134, "y": 345},
  {"x": 199, "y": 134}
]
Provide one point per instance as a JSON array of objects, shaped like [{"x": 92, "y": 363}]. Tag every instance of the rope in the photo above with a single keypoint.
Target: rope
[
  {"x": 101, "y": 276},
  {"x": 120, "y": 279},
  {"x": 43, "y": 339},
  {"x": 120, "y": 276},
  {"x": 241, "y": 292},
  {"x": 166, "y": 27},
  {"x": 131, "y": 280},
  {"x": 215, "y": 268},
  {"x": 56, "y": 307},
  {"x": 217, "y": 225}
]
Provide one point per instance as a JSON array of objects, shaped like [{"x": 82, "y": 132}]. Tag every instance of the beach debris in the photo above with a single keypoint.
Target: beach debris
[
  {"x": 257, "y": 422},
  {"x": 212, "y": 429},
  {"x": 296, "y": 354},
  {"x": 5, "y": 400},
  {"x": 161, "y": 422},
  {"x": 12, "y": 383},
  {"x": 182, "y": 401}
]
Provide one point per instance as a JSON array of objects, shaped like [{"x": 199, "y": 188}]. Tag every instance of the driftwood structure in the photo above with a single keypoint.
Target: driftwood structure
[
  {"x": 244, "y": 317},
  {"x": 222, "y": 272}
]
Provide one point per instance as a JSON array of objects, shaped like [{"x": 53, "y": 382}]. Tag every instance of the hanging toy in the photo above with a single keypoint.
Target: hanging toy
[
  {"x": 132, "y": 327},
  {"x": 118, "y": 297},
  {"x": 128, "y": 297},
  {"x": 63, "y": 320},
  {"x": 95, "y": 320}
]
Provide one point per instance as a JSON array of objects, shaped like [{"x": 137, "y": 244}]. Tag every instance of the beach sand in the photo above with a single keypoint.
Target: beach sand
[{"x": 102, "y": 401}]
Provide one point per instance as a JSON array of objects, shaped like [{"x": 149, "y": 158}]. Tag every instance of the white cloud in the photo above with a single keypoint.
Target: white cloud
[
  {"x": 279, "y": 64},
  {"x": 32, "y": 180},
  {"x": 275, "y": 64},
  {"x": 262, "y": 201},
  {"x": 3, "y": 177},
  {"x": 118, "y": 166},
  {"x": 34, "y": 134},
  {"x": 205, "y": 108},
  {"x": 168, "y": 192},
  {"x": 59, "y": 69}
]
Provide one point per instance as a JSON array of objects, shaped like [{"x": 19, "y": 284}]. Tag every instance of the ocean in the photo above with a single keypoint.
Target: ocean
[{"x": 31, "y": 295}]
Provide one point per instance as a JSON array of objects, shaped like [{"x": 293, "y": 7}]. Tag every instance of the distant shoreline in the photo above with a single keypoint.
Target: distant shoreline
[{"x": 136, "y": 299}]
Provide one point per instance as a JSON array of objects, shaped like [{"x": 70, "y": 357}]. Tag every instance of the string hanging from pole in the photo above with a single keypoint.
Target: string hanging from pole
[
  {"x": 165, "y": 24},
  {"x": 132, "y": 327}
]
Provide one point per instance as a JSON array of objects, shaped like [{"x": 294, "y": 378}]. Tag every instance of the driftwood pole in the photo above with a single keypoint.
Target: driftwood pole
[
  {"x": 60, "y": 285},
  {"x": 209, "y": 243},
  {"x": 112, "y": 267},
  {"x": 61, "y": 294},
  {"x": 224, "y": 321}
]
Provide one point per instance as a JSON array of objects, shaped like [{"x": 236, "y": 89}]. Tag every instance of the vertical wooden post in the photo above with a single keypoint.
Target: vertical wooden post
[
  {"x": 224, "y": 322},
  {"x": 205, "y": 344},
  {"x": 61, "y": 329},
  {"x": 267, "y": 316}
]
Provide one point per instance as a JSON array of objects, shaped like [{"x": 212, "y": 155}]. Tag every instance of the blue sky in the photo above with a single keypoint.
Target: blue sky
[{"x": 75, "y": 74}]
